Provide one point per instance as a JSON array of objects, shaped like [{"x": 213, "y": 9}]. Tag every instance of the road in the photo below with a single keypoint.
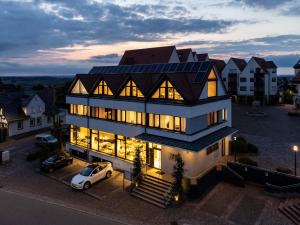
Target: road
[{"x": 16, "y": 209}]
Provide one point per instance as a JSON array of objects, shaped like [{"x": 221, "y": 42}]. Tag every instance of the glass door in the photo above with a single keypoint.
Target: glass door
[
  {"x": 157, "y": 158},
  {"x": 154, "y": 156}
]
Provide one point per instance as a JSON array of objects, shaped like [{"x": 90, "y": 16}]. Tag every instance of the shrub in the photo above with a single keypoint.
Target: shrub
[
  {"x": 252, "y": 148},
  {"x": 240, "y": 145},
  {"x": 247, "y": 161},
  {"x": 137, "y": 165},
  {"x": 178, "y": 173},
  {"x": 241, "y": 139},
  {"x": 284, "y": 170}
]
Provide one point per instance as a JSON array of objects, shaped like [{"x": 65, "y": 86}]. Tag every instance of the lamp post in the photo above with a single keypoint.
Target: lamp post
[
  {"x": 295, "y": 150},
  {"x": 234, "y": 146}
]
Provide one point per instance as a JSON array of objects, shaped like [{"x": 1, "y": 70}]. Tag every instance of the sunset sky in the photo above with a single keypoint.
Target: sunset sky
[{"x": 62, "y": 37}]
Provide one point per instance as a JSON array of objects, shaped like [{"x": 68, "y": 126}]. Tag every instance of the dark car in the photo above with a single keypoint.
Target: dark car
[{"x": 56, "y": 161}]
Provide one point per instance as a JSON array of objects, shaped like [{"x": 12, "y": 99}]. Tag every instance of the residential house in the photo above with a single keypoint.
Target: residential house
[
  {"x": 296, "y": 81},
  {"x": 185, "y": 55},
  {"x": 163, "y": 109}
]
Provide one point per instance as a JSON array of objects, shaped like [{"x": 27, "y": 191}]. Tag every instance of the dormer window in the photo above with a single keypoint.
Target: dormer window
[
  {"x": 131, "y": 90},
  {"x": 79, "y": 88},
  {"x": 167, "y": 91},
  {"x": 102, "y": 89},
  {"x": 212, "y": 85}
]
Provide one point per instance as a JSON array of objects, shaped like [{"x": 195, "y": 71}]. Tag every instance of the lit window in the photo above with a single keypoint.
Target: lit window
[
  {"x": 167, "y": 91},
  {"x": 212, "y": 84},
  {"x": 103, "y": 89},
  {"x": 167, "y": 122},
  {"x": 212, "y": 118},
  {"x": 131, "y": 90},
  {"x": 78, "y": 88}
]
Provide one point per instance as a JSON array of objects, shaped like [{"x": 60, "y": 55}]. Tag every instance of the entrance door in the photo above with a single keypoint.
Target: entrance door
[{"x": 154, "y": 156}]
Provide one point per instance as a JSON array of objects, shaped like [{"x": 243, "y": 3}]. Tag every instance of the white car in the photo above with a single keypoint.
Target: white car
[
  {"x": 91, "y": 174},
  {"x": 45, "y": 139}
]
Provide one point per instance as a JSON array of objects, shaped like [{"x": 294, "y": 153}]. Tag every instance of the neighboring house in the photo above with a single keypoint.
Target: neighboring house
[
  {"x": 172, "y": 108},
  {"x": 296, "y": 81},
  {"x": 22, "y": 113},
  {"x": 231, "y": 75},
  {"x": 257, "y": 80},
  {"x": 167, "y": 54},
  {"x": 202, "y": 57},
  {"x": 219, "y": 65},
  {"x": 185, "y": 55}
]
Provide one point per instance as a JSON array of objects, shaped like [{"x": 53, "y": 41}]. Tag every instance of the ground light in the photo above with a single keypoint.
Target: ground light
[
  {"x": 295, "y": 150},
  {"x": 234, "y": 139}
]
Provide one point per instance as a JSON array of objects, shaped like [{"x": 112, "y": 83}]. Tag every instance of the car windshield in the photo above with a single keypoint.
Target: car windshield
[
  {"x": 87, "y": 171},
  {"x": 50, "y": 138},
  {"x": 52, "y": 158}
]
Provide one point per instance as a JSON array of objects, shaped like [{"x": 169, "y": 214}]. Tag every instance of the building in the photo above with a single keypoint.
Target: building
[
  {"x": 296, "y": 81},
  {"x": 256, "y": 80},
  {"x": 163, "y": 109},
  {"x": 21, "y": 113},
  {"x": 185, "y": 55}
]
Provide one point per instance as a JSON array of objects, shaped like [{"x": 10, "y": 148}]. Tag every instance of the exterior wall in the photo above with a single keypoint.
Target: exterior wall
[
  {"x": 251, "y": 65},
  {"x": 296, "y": 97},
  {"x": 174, "y": 57},
  {"x": 13, "y": 126},
  {"x": 190, "y": 58},
  {"x": 35, "y": 108},
  {"x": 230, "y": 68}
]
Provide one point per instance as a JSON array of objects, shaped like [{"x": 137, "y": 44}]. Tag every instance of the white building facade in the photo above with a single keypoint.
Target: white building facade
[
  {"x": 296, "y": 81},
  {"x": 163, "y": 112}
]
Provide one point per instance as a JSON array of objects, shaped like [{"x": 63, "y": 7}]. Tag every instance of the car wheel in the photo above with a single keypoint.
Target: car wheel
[
  {"x": 50, "y": 170},
  {"x": 108, "y": 174},
  {"x": 86, "y": 185}
]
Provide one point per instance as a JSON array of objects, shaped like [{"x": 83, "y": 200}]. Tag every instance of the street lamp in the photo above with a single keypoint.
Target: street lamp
[
  {"x": 234, "y": 145},
  {"x": 295, "y": 149}
]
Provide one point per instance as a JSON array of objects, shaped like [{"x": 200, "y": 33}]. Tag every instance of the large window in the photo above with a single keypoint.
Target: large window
[
  {"x": 103, "y": 89},
  {"x": 174, "y": 123},
  {"x": 167, "y": 91},
  {"x": 212, "y": 84},
  {"x": 131, "y": 90},
  {"x": 131, "y": 117},
  {"x": 212, "y": 118},
  {"x": 126, "y": 148},
  {"x": 78, "y": 88},
  {"x": 80, "y": 136},
  {"x": 81, "y": 110}
]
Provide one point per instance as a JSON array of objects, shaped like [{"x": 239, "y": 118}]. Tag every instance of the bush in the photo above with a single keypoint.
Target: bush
[
  {"x": 247, "y": 161},
  {"x": 242, "y": 146},
  {"x": 252, "y": 148},
  {"x": 284, "y": 170}
]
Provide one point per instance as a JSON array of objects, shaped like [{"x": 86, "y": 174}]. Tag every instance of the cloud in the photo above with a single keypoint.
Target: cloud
[
  {"x": 109, "y": 58},
  {"x": 284, "y": 60},
  {"x": 267, "y": 4}
]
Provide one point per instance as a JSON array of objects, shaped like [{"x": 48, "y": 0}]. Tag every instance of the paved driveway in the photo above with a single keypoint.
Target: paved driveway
[{"x": 274, "y": 134}]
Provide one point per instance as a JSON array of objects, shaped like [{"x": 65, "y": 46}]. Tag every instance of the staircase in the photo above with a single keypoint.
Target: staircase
[
  {"x": 154, "y": 190},
  {"x": 291, "y": 209}
]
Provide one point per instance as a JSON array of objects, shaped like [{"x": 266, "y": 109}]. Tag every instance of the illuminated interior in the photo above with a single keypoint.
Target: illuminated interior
[
  {"x": 131, "y": 90},
  {"x": 78, "y": 88},
  {"x": 81, "y": 110},
  {"x": 80, "y": 136},
  {"x": 167, "y": 91},
  {"x": 103, "y": 142},
  {"x": 131, "y": 117},
  {"x": 212, "y": 118},
  {"x": 212, "y": 84},
  {"x": 103, "y": 89},
  {"x": 167, "y": 122}
]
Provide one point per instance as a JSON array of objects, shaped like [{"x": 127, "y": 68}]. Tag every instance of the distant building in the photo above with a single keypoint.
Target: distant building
[
  {"x": 21, "y": 113},
  {"x": 256, "y": 80},
  {"x": 185, "y": 55},
  {"x": 296, "y": 81}
]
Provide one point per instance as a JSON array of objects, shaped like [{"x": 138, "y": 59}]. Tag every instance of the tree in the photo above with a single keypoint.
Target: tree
[
  {"x": 178, "y": 172},
  {"x": 137, "y": 165}
]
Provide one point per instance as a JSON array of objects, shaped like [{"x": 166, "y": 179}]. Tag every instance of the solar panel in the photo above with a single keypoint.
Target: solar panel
[
  {"x": 147, "y": 68},
  {"x": 188, "y": 66},
  {"x": 173, "y": 67},
  {"x": 180, "y": 67},
  {"x": 130, "y": 69},
  {"x": 121, "y": 69},
  {"x": 153, "y": 68},
  {"x": 159, "y": 68},
  {"x": 109, "y": 68},
  {"x": 136, "y": 68},
  {"x": 104, "y": 69},
  {"x": 166, "y": 68},
  {"x": 205, "y": 66},
  {"x": 126, "y": 69},
  {"x": 199, "y": 76},
  {"x": 114, "y": 69},
  {"x": 141, "y": 69},
  {"x": 196, "y": 67}
]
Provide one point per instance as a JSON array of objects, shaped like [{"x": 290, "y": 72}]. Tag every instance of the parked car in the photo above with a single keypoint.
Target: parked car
[
  {"x": 56, "y": 161},
  {"x": 41, "y": 139},
  {"x": 91, "y": 174}
]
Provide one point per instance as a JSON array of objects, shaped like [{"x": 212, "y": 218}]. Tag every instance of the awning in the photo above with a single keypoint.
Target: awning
[{"x": 195, "y": 146}]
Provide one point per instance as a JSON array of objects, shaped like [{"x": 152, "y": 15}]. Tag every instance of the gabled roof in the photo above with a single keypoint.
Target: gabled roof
[
  {"x": 202, "y": 57},
  {"x": 240, "y": 63},
  {"x": 183, "y": 54},
  {"x": 12, "y": 109},
  {"x": 264, "y": 64},
  {"x": 296, "y": 79},
  {"x": 297, "y": 65},
  {"x": 219, "y": 64},
  {"x": 147, "y": 55},
  {"x": 189, "y": 83}
]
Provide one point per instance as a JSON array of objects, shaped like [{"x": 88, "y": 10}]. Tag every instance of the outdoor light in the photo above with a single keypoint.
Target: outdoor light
[
  {"x": 234, "y": 139},
  {"x": 176, "y": 198},
  {"x": 295, "y": 150}
]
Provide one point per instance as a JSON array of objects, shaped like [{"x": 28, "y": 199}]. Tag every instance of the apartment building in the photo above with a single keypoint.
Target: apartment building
[
  {"x": 256, "y": 80},
  {"x": 164, "y": 109},
  {"x": 296, "y": 81}
]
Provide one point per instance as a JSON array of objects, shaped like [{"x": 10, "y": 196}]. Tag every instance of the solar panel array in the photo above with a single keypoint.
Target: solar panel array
[{"x": 188, "y": 67}]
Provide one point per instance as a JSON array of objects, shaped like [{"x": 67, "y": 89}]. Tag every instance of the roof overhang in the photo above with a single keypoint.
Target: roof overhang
[{"x": 194, "y": 146}]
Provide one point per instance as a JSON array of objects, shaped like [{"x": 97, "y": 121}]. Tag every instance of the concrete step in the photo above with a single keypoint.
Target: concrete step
[
  {"x": 158, "y": 184},
  {"x": 150, "y": 188},
  {"x": 158, "y": 179},
  {"x": 152, "y": 193},
  {"x": 154, "y": 186},
  {"x": 147, "y": 195},
  {"x": 149, "y": 200}
]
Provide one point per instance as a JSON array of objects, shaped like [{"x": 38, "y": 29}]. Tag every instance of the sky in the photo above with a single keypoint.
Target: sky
[{"x": 65, "y": 37}]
